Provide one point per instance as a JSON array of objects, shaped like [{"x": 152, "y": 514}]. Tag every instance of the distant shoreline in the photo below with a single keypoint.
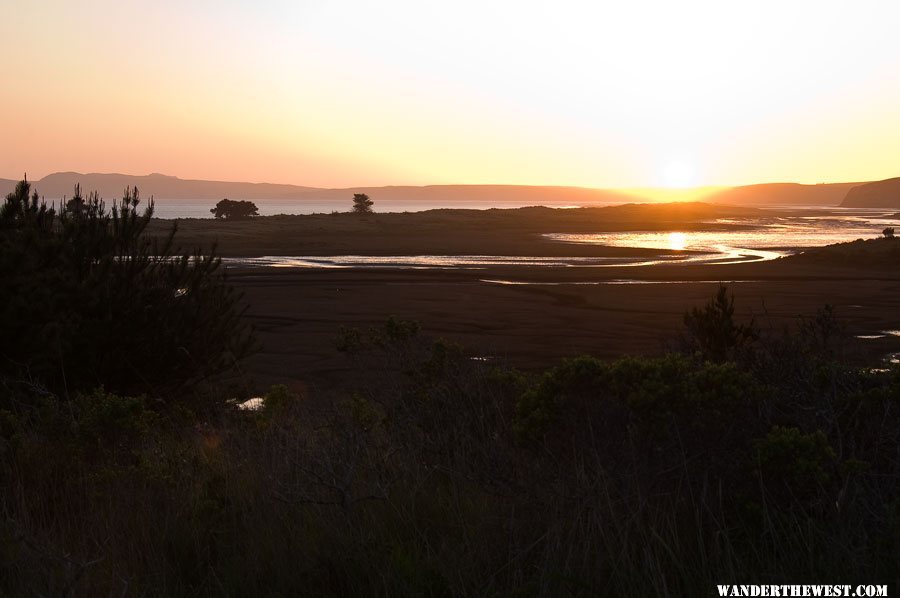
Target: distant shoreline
[{"x": 58, "y": 185}]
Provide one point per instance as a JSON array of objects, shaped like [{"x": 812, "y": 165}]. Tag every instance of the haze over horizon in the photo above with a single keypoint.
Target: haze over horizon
[
  {"x": 650, "y": 94},
  {"x": 663, "y": 189}
]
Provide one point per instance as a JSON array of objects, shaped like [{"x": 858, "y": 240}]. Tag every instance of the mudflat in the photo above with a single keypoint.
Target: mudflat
[
  {"x": 526, "y": 316},
  {"x": 446, "y": 232},
  {"x": 298, "y": 313}
]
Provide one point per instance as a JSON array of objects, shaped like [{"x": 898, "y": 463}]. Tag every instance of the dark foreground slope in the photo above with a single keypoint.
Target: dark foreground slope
[{"x": 749, "y": 454}]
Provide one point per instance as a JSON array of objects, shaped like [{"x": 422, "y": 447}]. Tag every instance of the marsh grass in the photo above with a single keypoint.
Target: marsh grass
[{"x": 435, "y": 474}]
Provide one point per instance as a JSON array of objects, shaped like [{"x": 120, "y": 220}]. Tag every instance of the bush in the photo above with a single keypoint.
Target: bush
[
  {"x": 794, "y": 463},
  {"x": 668, "y": 410},
  {"x": 234, "y": 210}
]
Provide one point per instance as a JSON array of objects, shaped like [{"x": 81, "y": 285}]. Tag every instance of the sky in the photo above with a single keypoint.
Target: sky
[{"x": 337, "y": 94}]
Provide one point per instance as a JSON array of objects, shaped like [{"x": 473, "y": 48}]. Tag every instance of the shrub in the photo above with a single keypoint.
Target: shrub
[
  {"x": 395, "y": 332},
  {"x": 670, "y": 405},
  {"x": 105, "y": 419},
  {"x": 234, "y": 210},
  {"x": 794, "y": 464}
]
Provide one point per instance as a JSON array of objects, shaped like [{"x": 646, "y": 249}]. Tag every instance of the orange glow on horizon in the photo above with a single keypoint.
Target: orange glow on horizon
[
  {"x": 671, "y": 99},
  {"x": 665, "y": 194}
]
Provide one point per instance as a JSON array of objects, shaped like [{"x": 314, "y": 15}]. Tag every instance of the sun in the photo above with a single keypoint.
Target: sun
[{"x": 678, "y": 174}]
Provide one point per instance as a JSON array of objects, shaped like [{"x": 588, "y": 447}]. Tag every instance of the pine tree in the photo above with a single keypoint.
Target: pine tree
[
  {"x": 362, "y": 204},
  {"x": 87, "y": 299}
]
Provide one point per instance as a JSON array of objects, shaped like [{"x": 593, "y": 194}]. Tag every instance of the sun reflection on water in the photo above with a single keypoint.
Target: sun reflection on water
[
  {"x": 677, "y": 241},
  {"x": 740, "y": 240}
]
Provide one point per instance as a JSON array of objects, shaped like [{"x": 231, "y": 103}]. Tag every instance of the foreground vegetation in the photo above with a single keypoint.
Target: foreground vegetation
[
  {"x": 744, "y": 455},
  {"x": 87, "y": 299},
  {"x": 444, "y": 475}
]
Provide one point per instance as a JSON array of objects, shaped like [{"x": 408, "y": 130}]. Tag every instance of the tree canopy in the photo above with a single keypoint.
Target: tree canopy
[
  {"x": 362, "y": 204},
  {"x": 234, "y": 209},
  {"x": 88, "y": 299}
]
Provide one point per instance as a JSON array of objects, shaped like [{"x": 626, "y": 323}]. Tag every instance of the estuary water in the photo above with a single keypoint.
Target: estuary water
[{"x": 756, "y": 239}]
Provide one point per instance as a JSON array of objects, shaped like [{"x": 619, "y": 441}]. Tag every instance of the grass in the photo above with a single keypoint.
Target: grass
[{"x": 655, "y": 477}]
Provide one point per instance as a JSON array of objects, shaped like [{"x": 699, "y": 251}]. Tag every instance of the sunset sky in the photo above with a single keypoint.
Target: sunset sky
[{"x": 602, "y": 94}]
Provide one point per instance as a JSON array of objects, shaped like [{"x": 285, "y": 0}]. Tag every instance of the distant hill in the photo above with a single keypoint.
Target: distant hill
[
  {"x": 783, "y": 194},
  {"x": 110, "y": 186},
  {"x": 880, "y": 194},
  {"x": 460, "y": 195}
]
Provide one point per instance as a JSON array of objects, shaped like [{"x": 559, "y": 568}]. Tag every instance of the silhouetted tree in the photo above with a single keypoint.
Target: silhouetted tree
[
  {"x": 76, "y": 203},
  {"x": 235, "y": 210},
  {"x": 888, "y": 232},
  {"x": 713, "y": 331},
  {"x": 362, "y": 204},
  {"x": 88, "y": 299}
]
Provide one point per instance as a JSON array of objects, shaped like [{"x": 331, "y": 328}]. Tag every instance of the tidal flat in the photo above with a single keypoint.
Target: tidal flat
[{"x": 566, "y": 291}]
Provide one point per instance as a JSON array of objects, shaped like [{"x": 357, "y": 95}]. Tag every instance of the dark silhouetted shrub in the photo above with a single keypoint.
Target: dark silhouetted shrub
[
  {"x": 234, "y": 210},
  {"x": 796, "y": 464}
]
